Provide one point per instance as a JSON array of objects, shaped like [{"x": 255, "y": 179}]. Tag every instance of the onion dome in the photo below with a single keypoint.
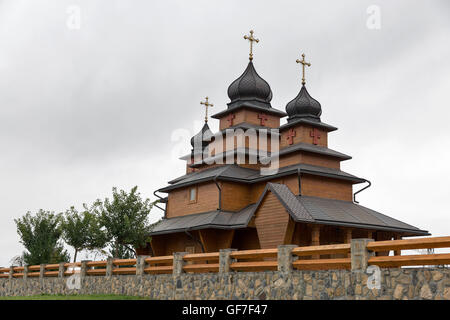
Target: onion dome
[
  {"x": 250, "y": 89},
  {"x": 204, "y": 136},
  {"x": 303, "y": 106}
]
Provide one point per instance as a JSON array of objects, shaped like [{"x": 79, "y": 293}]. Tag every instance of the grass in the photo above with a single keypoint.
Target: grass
[{"x": 75, "y": 297}]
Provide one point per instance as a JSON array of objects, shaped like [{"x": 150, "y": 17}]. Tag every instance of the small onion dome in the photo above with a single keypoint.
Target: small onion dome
[
  {"x": 303, "y": 106},
  {"x": 250, "y": 87},
  {"x": 204, "y": 136}
]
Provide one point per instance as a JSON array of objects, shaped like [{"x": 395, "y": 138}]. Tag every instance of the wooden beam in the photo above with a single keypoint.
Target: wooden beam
[
  {"x": 397, "y": 252},
  {"x": 411, "y": 260},
  {"x": 254, "y": 266},
  {"x": 315, "y": 238},
  {"x": 252, "y": 254},
  {"x": 159, "y": 269},
  {"x": 162, "y": 259},
  {"x": 201, "y": 256},
  {"x": 407, "y": 244},
  {"x": 320, "y": 264},
  {"x": 324, "y": 249},
  {"x": 209, "y": 267}
]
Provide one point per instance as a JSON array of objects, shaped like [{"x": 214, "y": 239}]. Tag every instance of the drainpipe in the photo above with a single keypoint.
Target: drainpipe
[
  {"x": 220, "y": 192},
  {"x": 196, "y": 240},
  {"x": 299, "y": 182},
  {"x": 354, "y": 195},
  {"x": 160, "y": 198}
]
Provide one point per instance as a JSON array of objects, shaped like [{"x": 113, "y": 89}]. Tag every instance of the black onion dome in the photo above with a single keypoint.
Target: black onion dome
[
  {"x": 303, "y": 106},
  {"x": 204, "y": 136},
  {"x": 250, "y": 87}
]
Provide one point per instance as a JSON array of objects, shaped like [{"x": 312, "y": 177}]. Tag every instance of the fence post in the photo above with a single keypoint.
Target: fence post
[
  {"x": 25, "y": 272},
  {"x": 140, "y": 265},
  {"x": 84, "y": 268},
  {"x": 359, "y": 254},
  {"x": 178, "y": 263},
  {"x": 41, "y": 271},
  {"x": 61, "y": 269},
  {"x": 285, "y": 258},
  {"x": 109, "y": 267},
  {"x": 11, "y": 272},
  {"x": 225, "y": 260}
]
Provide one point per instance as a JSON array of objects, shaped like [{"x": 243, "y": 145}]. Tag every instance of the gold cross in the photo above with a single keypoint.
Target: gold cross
[
  {"x": 304, "y": 63},
  {"x": 251, "y": 39},
  {"x": 206, "y": 104}
]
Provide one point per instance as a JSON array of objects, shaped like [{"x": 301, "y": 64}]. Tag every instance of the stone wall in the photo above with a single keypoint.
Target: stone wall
[{"x": 409, "y": 283}]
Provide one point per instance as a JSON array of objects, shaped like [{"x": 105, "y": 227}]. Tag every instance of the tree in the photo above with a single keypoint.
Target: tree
[
  {"x": 40, "y": 235},
  {"x": 125, "y": 219},
  {"x": 82, "y": 231}
]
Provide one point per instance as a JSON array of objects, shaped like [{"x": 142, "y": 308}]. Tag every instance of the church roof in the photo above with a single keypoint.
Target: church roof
[
  {"x": 203, "y": 137},
  {"x": 251, "y": 88},
  {"x": 318, "y": 124},
  {"x": 235, "y": 173},
  {"x": 250, "y": 91},
  {"x": 303, "y": 106},
  {"x": 304, "y": 209},
  {"x": 214, "y": 219},
  {"x": 336, "y": 212},
  {"x": 313, "y": 149}
]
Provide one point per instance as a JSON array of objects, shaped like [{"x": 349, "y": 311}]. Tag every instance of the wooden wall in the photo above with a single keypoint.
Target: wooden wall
[
  {"x": 245, "y": 239},
  {"x": 309, "y": 158},
  {"x": 327, "y": 188},
  {"x": 272, "y": 222},
  {"x": 302, "y": 134},
  {"x": 207, "y": 200},
  {"x": 249, "y": 116},
  {"x": 167, "y": 244},
  {"x": 235, "y": 196}
]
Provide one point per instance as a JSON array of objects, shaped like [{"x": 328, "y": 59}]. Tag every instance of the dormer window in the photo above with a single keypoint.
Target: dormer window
[{"x": 193, "y": 195}]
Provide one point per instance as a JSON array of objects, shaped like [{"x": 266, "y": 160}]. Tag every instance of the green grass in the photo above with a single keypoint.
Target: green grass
[{"x": 75, "y": 297}]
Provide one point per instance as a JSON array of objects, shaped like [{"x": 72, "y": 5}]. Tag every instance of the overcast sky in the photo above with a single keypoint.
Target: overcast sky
[{"x": 85, "y": 109}]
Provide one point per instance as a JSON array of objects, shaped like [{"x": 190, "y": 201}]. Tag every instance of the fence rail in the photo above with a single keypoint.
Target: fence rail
[{"x": 357, "y": 255}]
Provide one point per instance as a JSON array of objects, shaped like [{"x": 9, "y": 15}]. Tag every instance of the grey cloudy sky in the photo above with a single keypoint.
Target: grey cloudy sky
[{"x": 87, "y": 109}]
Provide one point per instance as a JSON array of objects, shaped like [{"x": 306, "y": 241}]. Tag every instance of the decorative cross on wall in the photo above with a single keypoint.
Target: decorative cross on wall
[
  {"x": 230, "y": 118},
  {"x": 315, "y": 134},
  {"x": 290, "y": 136},
  {"x": 263, "y": 118}
]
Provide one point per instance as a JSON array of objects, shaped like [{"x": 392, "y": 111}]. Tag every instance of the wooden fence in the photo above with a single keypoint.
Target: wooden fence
[{"x": 284, "y": 258}]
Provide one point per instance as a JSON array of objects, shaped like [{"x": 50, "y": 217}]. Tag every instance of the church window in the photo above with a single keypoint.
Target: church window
[{"x": 193, "y": 195}]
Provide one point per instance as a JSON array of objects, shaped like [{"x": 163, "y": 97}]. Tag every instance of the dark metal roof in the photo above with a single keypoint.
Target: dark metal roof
[
  {"x": 235, "y": 152},
  {"x": 318, "y": 124},
  {"x": 313, "y": 149},
  {"x": 336, "y": 212},
  {"x": 301, "y": 208},
  {"x": 213, "y": 219},
  {"x": 248, "y": 105},
  {"x": 233, "y": 172},
  {"x": 250, "y": 87},
  {"x": 303, "y": 106}
]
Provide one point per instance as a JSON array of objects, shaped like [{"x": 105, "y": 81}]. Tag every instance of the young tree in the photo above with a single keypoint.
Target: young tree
[
  {"x": 40, "y": 235},
  {"x": 125, "y": 219},
  {"x": 82, "y": 231}
]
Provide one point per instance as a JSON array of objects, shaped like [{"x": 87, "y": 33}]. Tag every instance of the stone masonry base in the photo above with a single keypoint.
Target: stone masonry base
[{"x": 406, "y": 284}]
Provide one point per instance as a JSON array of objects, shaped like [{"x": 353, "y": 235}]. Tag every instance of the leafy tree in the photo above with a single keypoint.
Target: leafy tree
[
  {"x": 40, "y": 235},
  {"x": 82, "y": 231},
  {"x": 125, "y": 219}
]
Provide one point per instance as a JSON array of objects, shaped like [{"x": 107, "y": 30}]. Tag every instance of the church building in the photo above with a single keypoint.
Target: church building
[{"x": 307, "y": 201}]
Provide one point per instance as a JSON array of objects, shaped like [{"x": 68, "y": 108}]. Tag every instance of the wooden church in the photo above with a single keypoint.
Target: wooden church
[{"x": 309, "y": 200}]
